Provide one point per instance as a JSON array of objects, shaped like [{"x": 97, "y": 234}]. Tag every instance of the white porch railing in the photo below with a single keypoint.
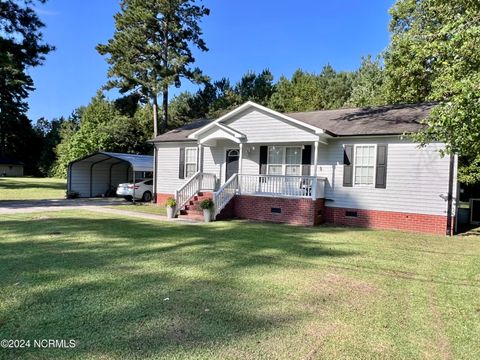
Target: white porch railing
[
  {"x": 198, "y": 182},
  {"x": 283, "y": 186},
  {"x": 309, "y": 187},
  {"x": 225, "y": 194}
]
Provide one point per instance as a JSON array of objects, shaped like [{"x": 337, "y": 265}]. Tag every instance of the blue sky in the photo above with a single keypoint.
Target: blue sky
[{"x": 241, "y": 35}]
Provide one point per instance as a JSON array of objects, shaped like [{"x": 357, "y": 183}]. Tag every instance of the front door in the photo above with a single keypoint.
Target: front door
[{"x": 232, "y": 163}]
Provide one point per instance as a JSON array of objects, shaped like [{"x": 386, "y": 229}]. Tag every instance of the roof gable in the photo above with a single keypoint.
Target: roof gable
[
  {"x": 251, "y": 105},
  {"x": 369, "y": 121}
]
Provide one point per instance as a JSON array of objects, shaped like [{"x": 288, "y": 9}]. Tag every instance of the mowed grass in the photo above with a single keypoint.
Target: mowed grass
[
  {"x": 29, "y": 188},
  {"x": 143, "y": 208},
  {"x": 127, "y": 288}
]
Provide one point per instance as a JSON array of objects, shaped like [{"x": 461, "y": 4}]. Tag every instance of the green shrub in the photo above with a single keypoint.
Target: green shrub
[
  {"x": 170, "y": 202},
  {"x": 207, "y": 204}
]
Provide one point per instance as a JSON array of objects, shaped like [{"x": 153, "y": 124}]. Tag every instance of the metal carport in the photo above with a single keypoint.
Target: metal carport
[{"x": 95, "y": 174}]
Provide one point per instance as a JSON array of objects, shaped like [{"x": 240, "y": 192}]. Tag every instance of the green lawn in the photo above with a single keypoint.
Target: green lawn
[
  {"x": 128, "y": 288},
  {"x": 29, "y": 188},
  {"x": 143, "y": 208}
]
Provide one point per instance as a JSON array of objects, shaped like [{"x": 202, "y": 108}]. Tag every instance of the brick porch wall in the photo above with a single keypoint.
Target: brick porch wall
[
  {"x": 293, "y": 211},
  {"x": 388, "y": 220},
  {"x": 162, "y": 197}
]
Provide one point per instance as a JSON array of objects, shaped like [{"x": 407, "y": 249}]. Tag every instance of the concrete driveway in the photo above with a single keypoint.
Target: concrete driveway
[
  {"x": 27, "y": 206},
  {"x": 10, "y": 207}
]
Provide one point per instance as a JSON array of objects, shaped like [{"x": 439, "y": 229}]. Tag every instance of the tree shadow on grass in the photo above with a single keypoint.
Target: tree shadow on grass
[
  {"x": 123, "y": 286},
  {"x": 7, "y": 184}
]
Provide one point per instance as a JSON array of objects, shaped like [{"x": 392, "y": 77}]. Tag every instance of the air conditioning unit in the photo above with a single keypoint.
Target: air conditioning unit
[{"x": 475, "y": 211}]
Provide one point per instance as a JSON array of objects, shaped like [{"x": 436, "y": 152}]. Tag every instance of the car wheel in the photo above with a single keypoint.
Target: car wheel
[
  {"x": 147, "y": 196},
  {"x": 128, "y": 198}
]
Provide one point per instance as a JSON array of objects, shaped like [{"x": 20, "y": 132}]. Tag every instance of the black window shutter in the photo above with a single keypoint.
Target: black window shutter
[
  {"x": 306, "y": 159},
  {"x": 381, "y": 175},
  {"x": 263, "y": 160},
  {"x": 348, "y": 165},
  {"x": 181, "y": 164}
]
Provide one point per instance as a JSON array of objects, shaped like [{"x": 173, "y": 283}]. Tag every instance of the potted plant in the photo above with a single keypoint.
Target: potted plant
[
  {"x": 207, "y": 207},
  {"x": 171, "y": 205}
]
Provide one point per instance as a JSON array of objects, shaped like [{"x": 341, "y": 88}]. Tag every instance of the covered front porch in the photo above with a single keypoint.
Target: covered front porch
[
  {"x": 255, "y": 172},
  {"x": 276, "y": 159},
  {"x": 275, "y": 198}
]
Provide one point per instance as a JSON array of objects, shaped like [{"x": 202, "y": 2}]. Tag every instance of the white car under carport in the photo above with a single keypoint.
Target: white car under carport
[{"x": 100, "y": 173}]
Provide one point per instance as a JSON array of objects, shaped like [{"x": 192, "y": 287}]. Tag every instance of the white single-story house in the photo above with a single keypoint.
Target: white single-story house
[
  {"x": 349, "y": 166},
  {"x": 98, "y": 174},
  {"x": 9, "y": 166}
]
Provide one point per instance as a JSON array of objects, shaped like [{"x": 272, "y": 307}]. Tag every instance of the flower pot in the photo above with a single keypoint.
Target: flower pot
[
  {"x": 171, "y": 210},
  {"x": 207, "y": 215}
]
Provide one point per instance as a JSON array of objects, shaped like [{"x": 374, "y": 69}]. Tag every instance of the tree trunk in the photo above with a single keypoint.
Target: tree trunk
[
  {"x": 165, "y": 109},
  {"x": 155, "y": 116},
  {"x": 3, "y": 135}
]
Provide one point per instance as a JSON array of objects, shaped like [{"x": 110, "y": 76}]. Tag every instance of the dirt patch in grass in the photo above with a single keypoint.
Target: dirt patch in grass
[
  {"x": 337, "y": 285},
  {"x": 441, "y": 345},
  {"x": 319, "y": 335}
]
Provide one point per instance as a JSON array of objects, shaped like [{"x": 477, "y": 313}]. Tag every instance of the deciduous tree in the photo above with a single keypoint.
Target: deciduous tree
[{"x": 434, "y": 56}]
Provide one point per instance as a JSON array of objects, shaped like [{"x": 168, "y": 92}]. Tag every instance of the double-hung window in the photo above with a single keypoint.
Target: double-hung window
[
  {"x": 364, "y": 164},
  {"x": 190, "y": 161},
  {"x": 284, "y": 160},
  {"x": 275, "y": 160},
  {"x": 293, "y": 161}
]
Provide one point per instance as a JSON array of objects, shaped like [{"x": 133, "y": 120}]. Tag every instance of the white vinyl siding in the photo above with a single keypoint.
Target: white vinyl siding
[
  {"x": 417, "y": 178},
  {"x": 168, "y": 159},
  {"x": 364, "y": 164},
  {"x": 260, "y": 127},
  {"x": 213, "y": 160}
]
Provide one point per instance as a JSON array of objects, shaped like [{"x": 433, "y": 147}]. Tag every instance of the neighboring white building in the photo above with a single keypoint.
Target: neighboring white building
[
  {"x": 349, "y": 166},
  {"x": 10, "y": 166}
]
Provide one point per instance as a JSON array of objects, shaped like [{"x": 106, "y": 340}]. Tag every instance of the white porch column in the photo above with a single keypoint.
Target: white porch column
[
  {"x": 315, "y": 159},
  {"x": 240, "y": 159},
  {"x": 200, "y": 157}
]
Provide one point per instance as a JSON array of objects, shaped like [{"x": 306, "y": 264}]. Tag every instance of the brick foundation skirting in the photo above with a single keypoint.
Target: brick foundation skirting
[
  {"x": 388, "y": 220},
  {"x": 309, "y": 212},
  {"x": 306, "y": 212},
  {"x": 162, "y": 197}
]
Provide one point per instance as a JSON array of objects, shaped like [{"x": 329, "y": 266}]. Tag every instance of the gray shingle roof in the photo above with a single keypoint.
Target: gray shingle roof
[
  {"x": 181, "y": 133},
  {"x": 383, "y": 120}
]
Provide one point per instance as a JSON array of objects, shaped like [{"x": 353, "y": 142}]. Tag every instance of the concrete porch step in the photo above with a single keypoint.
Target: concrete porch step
[{"x": 191, "y": 217}]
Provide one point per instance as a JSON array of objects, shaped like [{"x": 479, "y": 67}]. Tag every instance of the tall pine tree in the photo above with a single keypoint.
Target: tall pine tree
[
  {"x": 21, "y": 47},
  {"x": 151, "y": 48}
]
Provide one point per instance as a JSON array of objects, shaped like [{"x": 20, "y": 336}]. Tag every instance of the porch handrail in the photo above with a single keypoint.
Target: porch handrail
[
  {"x": 303, "y": 186},
  {"x": 226, "y": 192},
  {"x": 197, "y": 182}
]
